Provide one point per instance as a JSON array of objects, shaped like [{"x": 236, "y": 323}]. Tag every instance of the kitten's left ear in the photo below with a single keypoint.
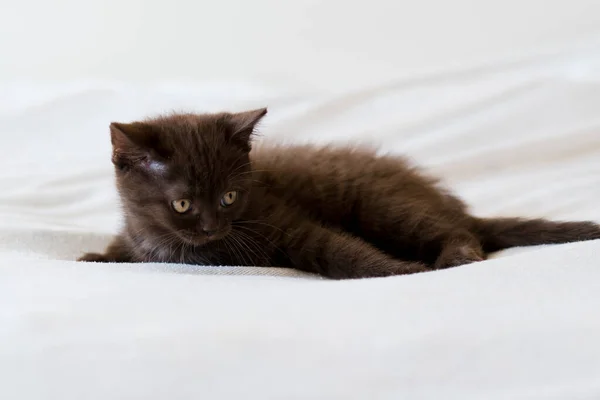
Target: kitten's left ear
[
  {"x": 131, "y": 143},
  {"x": 243, "y": 125}
]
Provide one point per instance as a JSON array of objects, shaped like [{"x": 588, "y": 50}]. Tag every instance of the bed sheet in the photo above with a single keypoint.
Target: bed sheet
[{"x": 517, "y": 139}]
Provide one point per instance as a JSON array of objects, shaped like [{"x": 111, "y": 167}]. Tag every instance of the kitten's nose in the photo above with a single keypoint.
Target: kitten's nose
[
  {"x": 209, "y": 231},
  {"x": 209, "y": 228},
  {"x": 209, "y": 223}
]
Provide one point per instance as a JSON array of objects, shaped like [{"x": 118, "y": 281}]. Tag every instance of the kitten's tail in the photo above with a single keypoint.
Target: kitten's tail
[{"x": 501, "y": 233}]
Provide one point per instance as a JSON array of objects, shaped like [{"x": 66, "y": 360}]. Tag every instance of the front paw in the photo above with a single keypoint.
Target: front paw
[{"x": 93, "y": 257}]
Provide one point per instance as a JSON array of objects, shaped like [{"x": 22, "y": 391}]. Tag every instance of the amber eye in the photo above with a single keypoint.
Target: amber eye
[
  {"x": 181, "y": 205},
  {"x": 229, "y": 198}
]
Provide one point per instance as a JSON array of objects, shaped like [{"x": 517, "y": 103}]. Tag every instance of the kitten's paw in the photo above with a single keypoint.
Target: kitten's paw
[
  {"x": 392, "y": 268},
  {"x": 459, "y": 255},
  {"x": 93, "y": 257}
]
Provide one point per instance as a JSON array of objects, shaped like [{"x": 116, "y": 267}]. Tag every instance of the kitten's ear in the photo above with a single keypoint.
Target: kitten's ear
[
  {"x": 131, "y": 142},
  {"x": 243, "y": 125}
]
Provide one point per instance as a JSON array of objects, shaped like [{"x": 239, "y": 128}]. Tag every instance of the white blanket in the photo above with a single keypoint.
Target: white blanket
[{"x": 520, "y": 139}]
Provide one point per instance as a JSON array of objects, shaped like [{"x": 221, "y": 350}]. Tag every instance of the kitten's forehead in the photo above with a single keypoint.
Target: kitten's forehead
[
  {"x": 190, "y": 135},
  {"x": 201, "y": 149},
  {"x": 214, "y": 167},
  {"x": 205, "y": 166}
]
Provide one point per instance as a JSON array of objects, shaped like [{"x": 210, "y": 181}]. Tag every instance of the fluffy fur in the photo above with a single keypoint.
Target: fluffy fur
[{"x": 339, "y": 212}]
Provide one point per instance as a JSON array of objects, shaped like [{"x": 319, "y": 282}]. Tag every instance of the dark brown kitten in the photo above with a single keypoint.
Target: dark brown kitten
[{"x": 192, "y": 192}]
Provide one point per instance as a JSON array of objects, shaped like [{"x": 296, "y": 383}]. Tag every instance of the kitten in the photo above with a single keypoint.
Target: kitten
[{"x": 193, "y": 192}]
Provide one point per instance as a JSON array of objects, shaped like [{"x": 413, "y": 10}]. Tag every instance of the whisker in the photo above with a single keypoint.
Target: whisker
[
  {"x": 236, "y": 250},
  {"x": 239, "y": 239},
  {"x": 239, "y": 167},
  {"x": 255, "y": 170},
  {"x": 259, "y": 222},
  {"x": 256, "y": 245}
]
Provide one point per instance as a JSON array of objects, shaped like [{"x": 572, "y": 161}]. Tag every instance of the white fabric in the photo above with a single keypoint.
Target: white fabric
[{"x": 519, "y": 139}]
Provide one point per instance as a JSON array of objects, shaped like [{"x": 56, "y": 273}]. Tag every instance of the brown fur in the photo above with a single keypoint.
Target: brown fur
[{"x": 339, "y": 212}]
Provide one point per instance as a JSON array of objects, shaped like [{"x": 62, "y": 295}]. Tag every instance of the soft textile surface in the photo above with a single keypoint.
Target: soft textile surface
[{"x": 520, "y": 139}]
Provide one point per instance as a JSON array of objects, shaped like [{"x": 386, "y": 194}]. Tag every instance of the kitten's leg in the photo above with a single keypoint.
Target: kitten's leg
[
  {"x": 117, "y": 251},
  {"x": 341, "y": 256},
  {"x": 459, "y": 249}
]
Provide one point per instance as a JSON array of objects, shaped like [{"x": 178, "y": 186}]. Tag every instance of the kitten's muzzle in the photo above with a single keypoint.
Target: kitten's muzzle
[
  {"x": 209, "y": 231},
  {"x": 203, "y": 235}
]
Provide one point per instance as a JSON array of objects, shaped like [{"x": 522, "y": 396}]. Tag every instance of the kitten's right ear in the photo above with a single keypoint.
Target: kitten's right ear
[
  {"x": 243, "y": 125},
  {"x": 131, "y": 142}
]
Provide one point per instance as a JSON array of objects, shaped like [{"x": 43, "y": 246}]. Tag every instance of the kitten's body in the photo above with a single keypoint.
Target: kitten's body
[{"x": 339, "y": 212}]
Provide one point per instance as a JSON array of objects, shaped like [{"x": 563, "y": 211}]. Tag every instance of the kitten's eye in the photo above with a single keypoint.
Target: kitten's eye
[
  {"x": 181, "y": 205},
  {"x": 229, "y": 198}
]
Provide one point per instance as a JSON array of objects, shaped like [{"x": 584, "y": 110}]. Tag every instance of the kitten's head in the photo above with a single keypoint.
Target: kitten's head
[{"x": 185, "y": 175}]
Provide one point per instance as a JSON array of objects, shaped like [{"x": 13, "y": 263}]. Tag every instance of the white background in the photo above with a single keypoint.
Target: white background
[
  {"x": 518, "y": 137},
  {"x": 309, "y": 44}
]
